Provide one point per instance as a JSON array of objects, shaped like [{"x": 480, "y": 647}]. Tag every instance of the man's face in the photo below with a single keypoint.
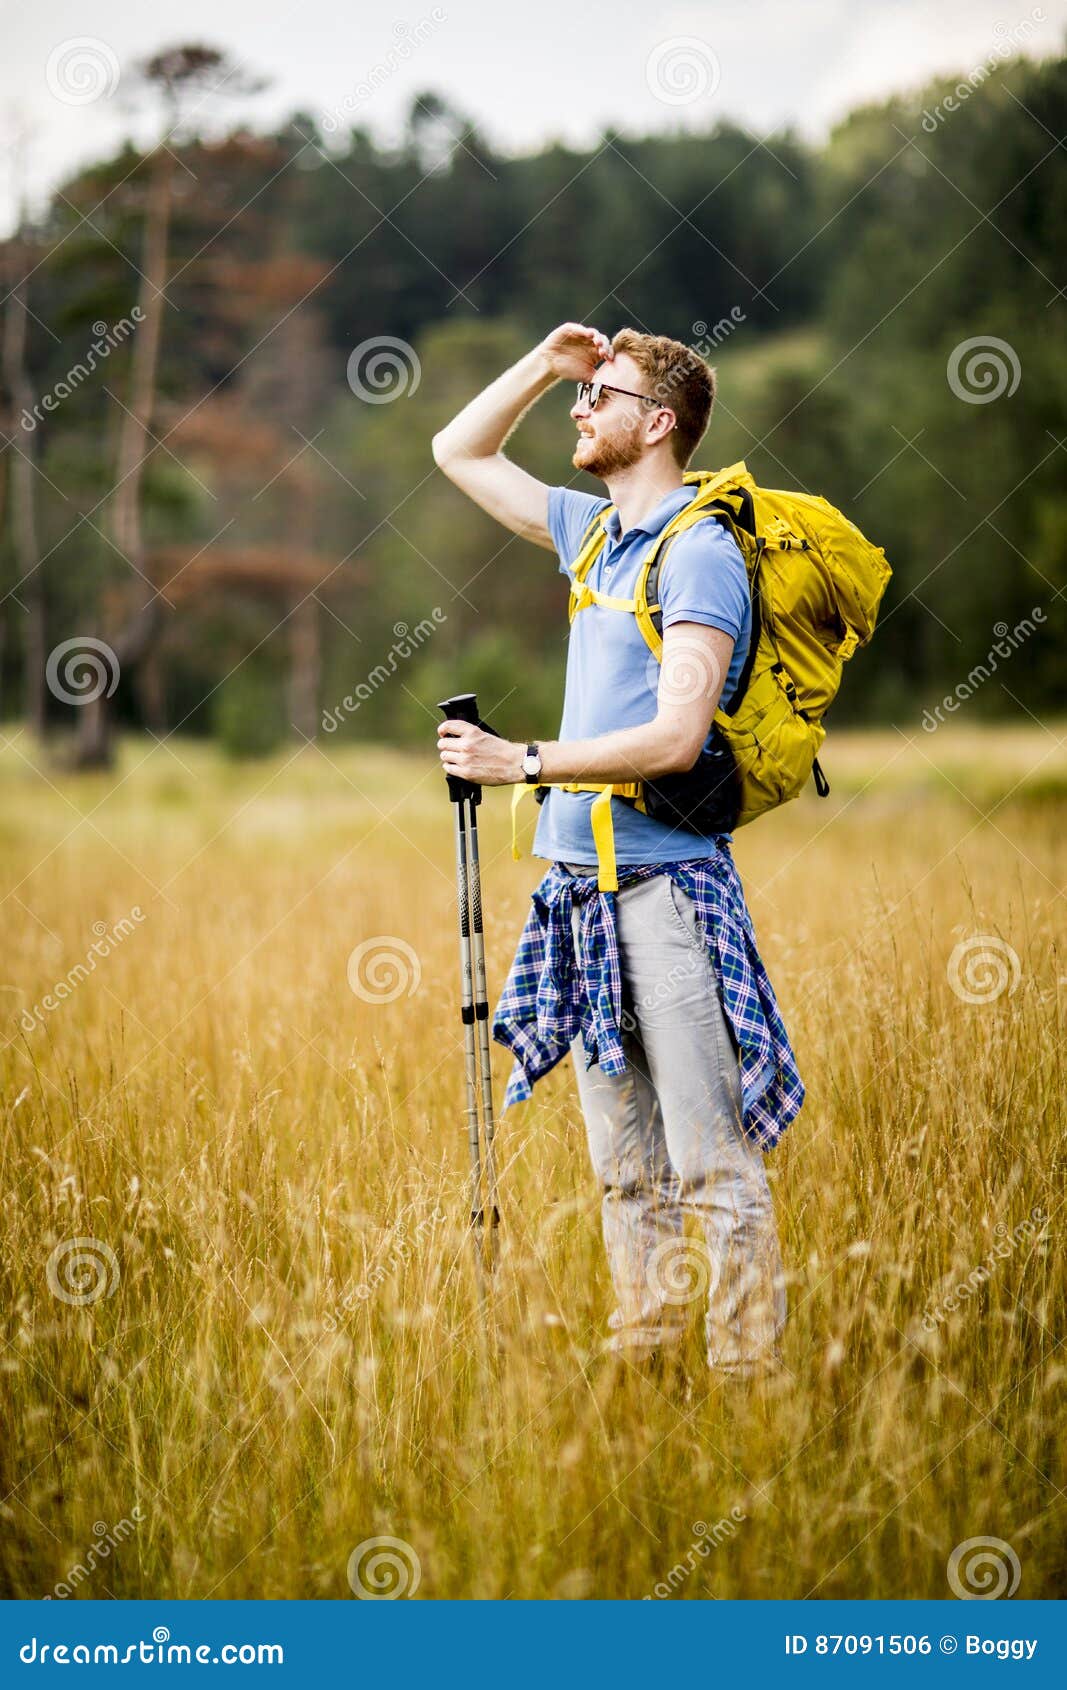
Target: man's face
[{"x": 612, "y": 438}]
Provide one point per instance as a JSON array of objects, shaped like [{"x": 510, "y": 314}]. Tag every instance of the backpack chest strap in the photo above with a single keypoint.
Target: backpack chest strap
[
  {"x": 582, "y": 595},
  {"x": 589, "y": 595}
]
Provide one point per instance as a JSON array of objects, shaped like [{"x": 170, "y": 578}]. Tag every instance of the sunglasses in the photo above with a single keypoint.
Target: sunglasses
[{"x": 592, "y": 391}]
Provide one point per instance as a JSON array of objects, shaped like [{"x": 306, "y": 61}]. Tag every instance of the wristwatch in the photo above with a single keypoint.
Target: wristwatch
[{"x": 531, "y": 764}]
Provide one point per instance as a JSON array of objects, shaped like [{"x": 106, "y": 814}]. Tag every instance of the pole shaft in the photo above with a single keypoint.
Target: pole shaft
[
  {"x": 481, "y": 1013},
  {"x": 466, "y": 796},
  {"x": 466, "y": 974}
]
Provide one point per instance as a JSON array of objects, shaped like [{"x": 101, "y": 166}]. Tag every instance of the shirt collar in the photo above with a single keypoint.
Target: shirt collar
[{"x": 656, "y": 518}]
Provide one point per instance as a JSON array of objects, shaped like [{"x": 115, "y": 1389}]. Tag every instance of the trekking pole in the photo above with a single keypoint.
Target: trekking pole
[{"x": 474, "y": 1001}]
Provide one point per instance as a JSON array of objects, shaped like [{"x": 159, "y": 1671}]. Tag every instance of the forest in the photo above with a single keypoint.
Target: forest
[{"x": 225, "y": 355}]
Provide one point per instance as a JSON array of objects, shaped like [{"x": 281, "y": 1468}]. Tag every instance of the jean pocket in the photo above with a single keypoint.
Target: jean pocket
[
  {"x": 686, "y": 919},
  {"x": 684, "y": 913}
]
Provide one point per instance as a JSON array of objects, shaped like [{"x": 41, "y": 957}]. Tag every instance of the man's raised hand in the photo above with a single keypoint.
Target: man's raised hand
[
  {"x": 573, "y": 351},
  {"x": 469, "y": 449}
]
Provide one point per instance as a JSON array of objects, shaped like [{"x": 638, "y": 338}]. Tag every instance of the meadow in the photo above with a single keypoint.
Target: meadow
[{"x": 243, "y": 1354}]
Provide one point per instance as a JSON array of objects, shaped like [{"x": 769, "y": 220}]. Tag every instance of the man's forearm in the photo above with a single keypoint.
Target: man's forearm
[
  {"x": 625, "y": 754},
  {"x": 481, "y": 428},
  {"x": 662, "y": 746}
]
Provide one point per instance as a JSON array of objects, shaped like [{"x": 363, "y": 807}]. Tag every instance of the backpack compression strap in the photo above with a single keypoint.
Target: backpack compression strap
[{"x": 600, "y": 819}]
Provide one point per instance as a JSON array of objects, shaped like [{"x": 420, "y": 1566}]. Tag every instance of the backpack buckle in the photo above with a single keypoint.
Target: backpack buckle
[{"x": 785, "y": 682}]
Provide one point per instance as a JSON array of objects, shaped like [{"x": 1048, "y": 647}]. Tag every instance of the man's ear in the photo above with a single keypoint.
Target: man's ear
[{"x": 667, "y": 418}]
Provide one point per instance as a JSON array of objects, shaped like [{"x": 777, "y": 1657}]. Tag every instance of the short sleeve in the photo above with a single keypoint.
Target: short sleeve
[
  {"x": 704, "y": 579},
  {"x": 569, "y": 514}
]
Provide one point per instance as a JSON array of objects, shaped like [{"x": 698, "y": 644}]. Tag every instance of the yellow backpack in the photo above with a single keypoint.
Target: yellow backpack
[{"x": 816, "y": 584}]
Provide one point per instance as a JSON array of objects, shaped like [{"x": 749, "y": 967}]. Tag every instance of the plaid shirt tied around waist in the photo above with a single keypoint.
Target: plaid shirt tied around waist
[{"x": 550, "y": 994}]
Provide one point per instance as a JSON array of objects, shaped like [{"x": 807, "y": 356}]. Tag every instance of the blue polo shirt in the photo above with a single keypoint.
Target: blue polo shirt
[{"x": 612, "y": 677}]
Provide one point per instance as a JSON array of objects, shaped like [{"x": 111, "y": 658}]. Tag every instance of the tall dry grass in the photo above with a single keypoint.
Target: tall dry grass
[{"x": 285, "y": 1359}]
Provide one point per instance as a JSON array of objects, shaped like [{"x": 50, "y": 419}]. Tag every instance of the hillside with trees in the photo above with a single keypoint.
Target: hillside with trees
[{"x": 233, "y": 495}]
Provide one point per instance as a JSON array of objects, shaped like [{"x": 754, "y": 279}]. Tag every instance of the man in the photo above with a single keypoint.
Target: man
[{"x": 683, "y": 1066}]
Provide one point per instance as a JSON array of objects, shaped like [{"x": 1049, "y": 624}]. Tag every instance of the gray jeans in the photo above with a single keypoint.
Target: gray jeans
[{"x": 666, "y": 1141}]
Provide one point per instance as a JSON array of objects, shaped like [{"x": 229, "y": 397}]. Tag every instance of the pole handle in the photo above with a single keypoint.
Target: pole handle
[{"x": 463, "y": 707}]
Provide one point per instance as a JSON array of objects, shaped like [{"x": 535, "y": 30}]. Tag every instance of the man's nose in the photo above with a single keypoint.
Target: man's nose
[{"x": 580, "y": 410}]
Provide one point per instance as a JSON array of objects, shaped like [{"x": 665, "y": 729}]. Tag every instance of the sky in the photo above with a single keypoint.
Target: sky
[{"x": 526, "y": 74}]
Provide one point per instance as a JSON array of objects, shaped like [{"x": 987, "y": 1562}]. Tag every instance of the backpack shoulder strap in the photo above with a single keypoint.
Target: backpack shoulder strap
[
  {"x": 589, "y": 550},
  {"x": 726, "y": 498},
  {"x": 591, "y": 543}
]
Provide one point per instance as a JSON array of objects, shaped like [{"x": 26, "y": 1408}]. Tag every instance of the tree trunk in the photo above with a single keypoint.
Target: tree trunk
[
  {"x": 94, "y": 748},
  {"x": 152, "y": 692},
  {"x": 29, "y": 593},
  {"x": 305, "y": 667},
  {"x": 141, "y": 629}
]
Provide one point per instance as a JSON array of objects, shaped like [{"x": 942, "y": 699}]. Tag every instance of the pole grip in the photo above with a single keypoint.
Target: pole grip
[{"x": 461, "y": 707}]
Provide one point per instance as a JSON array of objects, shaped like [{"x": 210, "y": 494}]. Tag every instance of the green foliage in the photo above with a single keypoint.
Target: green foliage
[
  {"x": 250, "y": 718},
  {"x": 856, "y": 270},
  {"x": 518, "y": 694}
]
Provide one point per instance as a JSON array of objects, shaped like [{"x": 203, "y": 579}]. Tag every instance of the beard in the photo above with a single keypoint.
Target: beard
[{"x": 607, "y": 456}]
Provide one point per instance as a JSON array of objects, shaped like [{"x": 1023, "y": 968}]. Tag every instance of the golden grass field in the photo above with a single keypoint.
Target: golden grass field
[{"x": 283, "y": 1356}]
